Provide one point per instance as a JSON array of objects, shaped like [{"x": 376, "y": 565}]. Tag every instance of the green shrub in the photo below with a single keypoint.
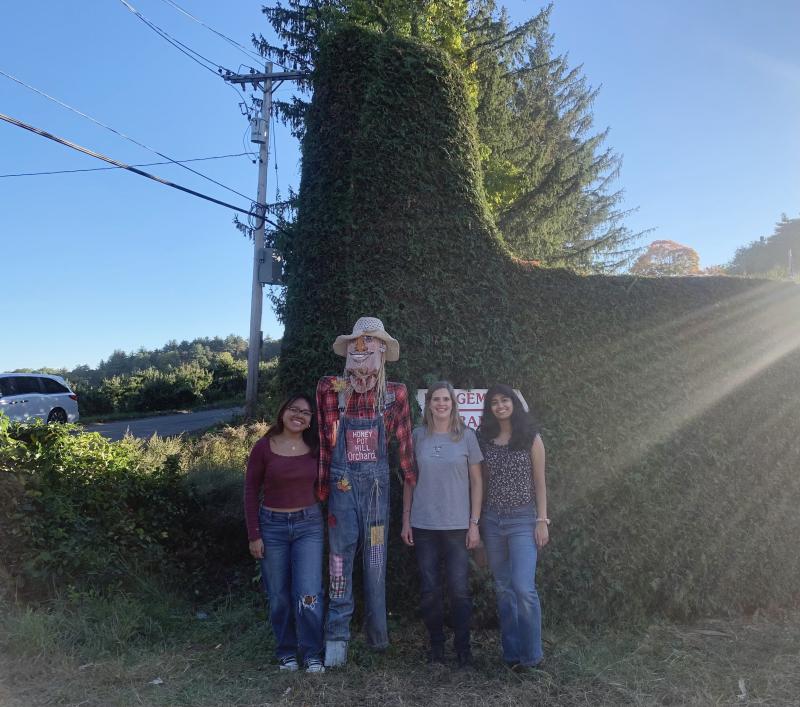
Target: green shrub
[
  {"x": 84, "y": 507},
  {"x": 93, "y": 400},
  {"x": 152, "y": 389},
  {"x": 80, "y": 510},
  {"x": 229, "y": 378}
]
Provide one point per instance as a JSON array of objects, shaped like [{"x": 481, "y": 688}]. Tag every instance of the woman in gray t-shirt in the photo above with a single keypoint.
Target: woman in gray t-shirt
[{"x": 441, "y": 514}]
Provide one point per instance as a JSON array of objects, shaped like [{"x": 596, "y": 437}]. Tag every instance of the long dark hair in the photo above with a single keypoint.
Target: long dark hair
[
  {"x": 310, "y": 434},
  {"x": 523, "y": 426}
]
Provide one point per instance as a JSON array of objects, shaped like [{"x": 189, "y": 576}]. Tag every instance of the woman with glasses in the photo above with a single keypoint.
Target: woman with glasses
[
  {"x": 441, "y": 515},
  {"x": 285, "y": 532}
]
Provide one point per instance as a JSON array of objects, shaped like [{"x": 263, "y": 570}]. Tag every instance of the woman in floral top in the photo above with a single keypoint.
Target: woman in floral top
[{"x": 514, "y": 524}]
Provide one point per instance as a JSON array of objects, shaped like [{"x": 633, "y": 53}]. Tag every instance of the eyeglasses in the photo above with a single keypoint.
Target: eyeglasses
[{"x": 298, "y": 411}]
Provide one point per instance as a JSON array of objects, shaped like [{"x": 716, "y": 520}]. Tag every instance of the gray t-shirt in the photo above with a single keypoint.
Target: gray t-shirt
[{"x": 441, "y": 496}]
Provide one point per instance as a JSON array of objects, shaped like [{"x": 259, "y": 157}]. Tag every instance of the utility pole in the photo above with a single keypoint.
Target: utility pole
[
  {"x": 257, "y": 295},
  {"x": 260, "y": 134}
]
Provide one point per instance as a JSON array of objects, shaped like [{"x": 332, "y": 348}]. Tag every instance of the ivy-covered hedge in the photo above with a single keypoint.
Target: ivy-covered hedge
[
  {"x": 670, "y": 407},
  {"x": 391, "y": 219}
]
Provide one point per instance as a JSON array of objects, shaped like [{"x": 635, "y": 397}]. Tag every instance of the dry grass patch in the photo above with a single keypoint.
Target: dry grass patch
[{"x": 58, "y": 657}]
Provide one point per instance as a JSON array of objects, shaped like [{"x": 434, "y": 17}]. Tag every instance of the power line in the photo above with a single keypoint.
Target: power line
[
  {"x": 236, "y": 44},
  {"x": 120, "y": 134},
  {"x": 275, "y": 155},
  {"x": 103, "y": 169},
  {"x": 180, "y": 46},
  {"x": 249, "y": 152},
  {"x": 130, "y": 168},
  {"x": 183, "y": 48}
]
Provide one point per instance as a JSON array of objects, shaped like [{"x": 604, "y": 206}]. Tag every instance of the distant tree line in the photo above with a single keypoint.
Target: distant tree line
[
  {"x": 774, "y": 256},
  {"x": 189, "y": 373}
]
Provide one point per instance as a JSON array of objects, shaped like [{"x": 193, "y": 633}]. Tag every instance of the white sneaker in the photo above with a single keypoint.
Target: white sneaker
[
  {"x": 288, "y": 663},
  {"x": 314, "y": 665}
]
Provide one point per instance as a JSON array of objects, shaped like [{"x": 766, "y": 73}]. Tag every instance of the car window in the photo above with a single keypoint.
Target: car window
[
  {"x": 51, "y": 386},
  {"x": 6, "y": 386},
  {"x": 24, "y": 385}
]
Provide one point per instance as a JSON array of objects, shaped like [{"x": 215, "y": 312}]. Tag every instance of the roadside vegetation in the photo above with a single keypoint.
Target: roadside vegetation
[
  {"x": 125, "y": 580},
  {"x": 179, "y": 376}
]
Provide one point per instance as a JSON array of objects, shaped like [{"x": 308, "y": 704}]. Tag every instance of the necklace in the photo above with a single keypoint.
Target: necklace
[{"x": 287, "y": 443}]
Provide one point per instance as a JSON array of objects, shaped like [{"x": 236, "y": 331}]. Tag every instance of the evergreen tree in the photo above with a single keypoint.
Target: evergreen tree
[
  {"x": 302, "y": 24},
  {"x": 547, "y": 177},
  {"x": 771, "y": 256}
]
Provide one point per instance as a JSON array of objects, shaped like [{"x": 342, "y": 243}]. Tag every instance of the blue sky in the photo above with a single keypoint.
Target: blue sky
[{"x": 702, "y": 99}]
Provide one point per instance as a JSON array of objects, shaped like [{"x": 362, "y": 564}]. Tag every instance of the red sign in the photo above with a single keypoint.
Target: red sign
[{"x": 362, "y": 445}]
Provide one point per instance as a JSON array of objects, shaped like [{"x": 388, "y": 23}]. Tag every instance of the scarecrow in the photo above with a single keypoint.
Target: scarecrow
[{"x": 358, "y": 413}]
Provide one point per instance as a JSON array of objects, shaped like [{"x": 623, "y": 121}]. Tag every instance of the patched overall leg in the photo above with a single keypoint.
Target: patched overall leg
[
  {"x": 374, "y": 562},
  {"x": 358, "y": 515},
  {"x": 343, "y": 542}
]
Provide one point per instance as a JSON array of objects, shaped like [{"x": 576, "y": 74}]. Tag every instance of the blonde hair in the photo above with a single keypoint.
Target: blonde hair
[{"x": 456, "y": 423}]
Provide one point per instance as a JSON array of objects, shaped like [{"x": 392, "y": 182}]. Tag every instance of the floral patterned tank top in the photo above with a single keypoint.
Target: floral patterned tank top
[{"x": 510, "y": 476}]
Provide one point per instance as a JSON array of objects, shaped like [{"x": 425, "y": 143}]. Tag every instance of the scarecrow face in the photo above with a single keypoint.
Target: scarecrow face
[{"x": 364, "y": 361}]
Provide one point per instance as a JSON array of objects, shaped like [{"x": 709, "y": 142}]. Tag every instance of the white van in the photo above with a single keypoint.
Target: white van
[{"x": 31, "y": 396}]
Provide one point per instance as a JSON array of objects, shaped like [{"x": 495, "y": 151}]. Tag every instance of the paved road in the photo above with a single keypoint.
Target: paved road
[{"x": 164, "y": 425}]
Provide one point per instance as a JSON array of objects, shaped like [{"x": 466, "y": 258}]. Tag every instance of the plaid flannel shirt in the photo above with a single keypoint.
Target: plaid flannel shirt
[{"x": 397, "y": 419}]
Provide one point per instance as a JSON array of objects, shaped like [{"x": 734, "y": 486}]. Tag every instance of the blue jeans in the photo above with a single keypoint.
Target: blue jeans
[
  {"x": 434, "y": 547},
  {"x": 511, "y": 551},
  {"x": 358, "y": 516},
  {"x": 292, "y": 575}
]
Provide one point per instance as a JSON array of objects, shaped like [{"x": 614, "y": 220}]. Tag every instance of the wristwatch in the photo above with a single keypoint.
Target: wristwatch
[{"x": 475, "y": 521}]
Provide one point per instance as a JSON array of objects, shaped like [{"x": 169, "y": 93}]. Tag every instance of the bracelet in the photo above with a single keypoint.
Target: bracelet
[
  {"x": 475, "y": 521},
  {"x": 543, "y": 520}
]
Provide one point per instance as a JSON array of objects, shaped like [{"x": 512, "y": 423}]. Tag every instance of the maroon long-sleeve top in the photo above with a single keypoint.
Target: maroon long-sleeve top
[{"x": 284, "y": 482}]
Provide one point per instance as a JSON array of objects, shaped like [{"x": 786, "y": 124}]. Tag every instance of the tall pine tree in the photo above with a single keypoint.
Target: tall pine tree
[{"x": 548, "y": 178}]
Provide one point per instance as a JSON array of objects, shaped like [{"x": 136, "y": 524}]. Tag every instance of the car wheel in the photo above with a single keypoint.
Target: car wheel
[{"x": 57, "y": 415}]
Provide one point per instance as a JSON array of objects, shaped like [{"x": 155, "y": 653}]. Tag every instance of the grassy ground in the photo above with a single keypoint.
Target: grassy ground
[{"x": 152, "y": 651}]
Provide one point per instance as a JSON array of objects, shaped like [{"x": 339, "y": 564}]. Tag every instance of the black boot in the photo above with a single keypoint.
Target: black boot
[{"x": 436, "y": 654}]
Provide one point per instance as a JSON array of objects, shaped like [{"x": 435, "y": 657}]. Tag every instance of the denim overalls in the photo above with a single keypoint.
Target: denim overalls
[{"x": 358, "y": 516}]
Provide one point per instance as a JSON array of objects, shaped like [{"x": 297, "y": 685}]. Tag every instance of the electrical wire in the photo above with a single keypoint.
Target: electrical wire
[
  {"x": 274, "y": 154},
  {"x": 260, "y": 208},
  {"x": 267, "y": 49},
  {"x": 236, "y": 44},
  {"x": 103, "y": 169},
  {"x": 180, "y": 46},
  {"x": 120, "y": 134},
  {"x": 185, "y": 49},
  {"x": 249, "y": 152}
]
